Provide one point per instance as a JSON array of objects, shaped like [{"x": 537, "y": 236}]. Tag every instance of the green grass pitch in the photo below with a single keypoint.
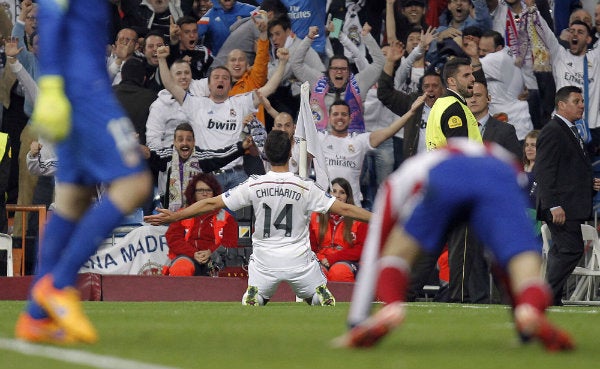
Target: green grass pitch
[{"x": 295, "y": 335}]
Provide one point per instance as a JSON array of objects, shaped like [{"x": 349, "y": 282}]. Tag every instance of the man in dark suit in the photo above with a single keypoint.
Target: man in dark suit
[
  {"x": 566, "y": 186},
  {"x": 492, "y": 130},
  {"x": 504, "y": 134}
]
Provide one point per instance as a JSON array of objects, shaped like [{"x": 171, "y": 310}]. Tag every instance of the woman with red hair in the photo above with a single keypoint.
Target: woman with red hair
[{"x": 192, "y": 241}]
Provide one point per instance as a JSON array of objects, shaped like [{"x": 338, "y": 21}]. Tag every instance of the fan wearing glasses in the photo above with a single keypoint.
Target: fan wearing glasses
[
  {"x": 339, "y": 83},
  {"x": 192, "y": 242}
]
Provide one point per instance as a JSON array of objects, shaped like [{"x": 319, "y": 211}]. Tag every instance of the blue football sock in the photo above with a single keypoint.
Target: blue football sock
[
  {"x": 58, "y": 231},
  {"x": 94, "y": 227}
]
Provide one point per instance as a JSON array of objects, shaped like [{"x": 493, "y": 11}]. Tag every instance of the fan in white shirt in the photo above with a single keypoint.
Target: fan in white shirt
[
  {"x": 218, "y": 119},
  {"x": 345, "y": 152},
  {"x": 568, "y": 64}
]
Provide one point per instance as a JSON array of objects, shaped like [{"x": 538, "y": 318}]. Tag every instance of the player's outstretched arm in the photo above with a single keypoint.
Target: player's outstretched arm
[
  {"x": 204, "y": 206},
  {"x": 350, "y": 211}
]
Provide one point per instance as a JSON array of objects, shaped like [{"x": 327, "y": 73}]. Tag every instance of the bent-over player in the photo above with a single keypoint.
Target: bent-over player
[{"x": 418, "y": 204}]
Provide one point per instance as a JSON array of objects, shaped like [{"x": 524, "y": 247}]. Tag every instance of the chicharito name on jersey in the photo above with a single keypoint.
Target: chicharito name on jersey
[{"x": 278, "y": 191}]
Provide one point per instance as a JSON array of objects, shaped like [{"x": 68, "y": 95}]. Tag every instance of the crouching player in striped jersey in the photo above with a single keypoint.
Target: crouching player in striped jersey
[
  {"x": 282, "y": 203},
  {"x": 417, "y": 205},
  {"x": 95, "y": 143}
]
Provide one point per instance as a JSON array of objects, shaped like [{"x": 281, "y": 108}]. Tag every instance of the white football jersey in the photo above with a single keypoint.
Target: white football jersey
[
  {"x": 344, "y": 157},
  {"x": 568, "y": 70},
  {"x": 283, "y": 204},
  {"x": 217, "y": 125}
]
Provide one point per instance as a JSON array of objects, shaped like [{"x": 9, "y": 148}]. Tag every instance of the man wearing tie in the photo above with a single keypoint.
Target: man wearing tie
[
  {"x": 505, "y": 135},
  {"x": 492, "y": 130},
  {"x": 566, "y": 187}
]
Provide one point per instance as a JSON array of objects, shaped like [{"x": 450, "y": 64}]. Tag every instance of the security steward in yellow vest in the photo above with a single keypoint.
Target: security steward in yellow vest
[
  {"x": 450, "y": 117},
  {"x": 5, "y": 157}
]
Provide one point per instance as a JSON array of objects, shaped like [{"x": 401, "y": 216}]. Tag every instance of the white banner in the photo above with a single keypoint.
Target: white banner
[{"x": 142, "y": 251}]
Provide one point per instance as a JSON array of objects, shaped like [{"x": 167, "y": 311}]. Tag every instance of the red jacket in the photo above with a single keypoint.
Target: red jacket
[
  {"x": 204, "y": 232},
  {"x": 333, "y": 247},
  {"x": 256, "y": 76}
]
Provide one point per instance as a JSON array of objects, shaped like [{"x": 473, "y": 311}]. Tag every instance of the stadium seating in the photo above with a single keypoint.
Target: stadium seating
[
  {"x": 586, "y": 290},
  {"x": 19, "y": 257},
  {"x": 6, "y": 244},
  {"x": 586, "y": 276}
]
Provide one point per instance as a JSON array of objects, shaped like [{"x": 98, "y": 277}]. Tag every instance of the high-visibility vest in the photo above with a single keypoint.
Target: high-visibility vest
[
  {"x": 3, "y": 141},
  {"x": 434, "y": 136}
]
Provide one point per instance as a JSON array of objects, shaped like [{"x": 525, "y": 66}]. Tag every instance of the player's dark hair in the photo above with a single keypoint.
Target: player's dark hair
[
  {"x": 415, "y": 29},
  {"x": 154, "y": 33},
  {"x": 278, "y": 147},
  {"x": 563, "y": 94},
  {"x": 472, "y": 31},
  {"x": 484, "y": 84}
]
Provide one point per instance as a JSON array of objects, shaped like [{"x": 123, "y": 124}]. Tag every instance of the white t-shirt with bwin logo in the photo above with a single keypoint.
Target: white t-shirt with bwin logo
[{"x": 217, "y": 125}]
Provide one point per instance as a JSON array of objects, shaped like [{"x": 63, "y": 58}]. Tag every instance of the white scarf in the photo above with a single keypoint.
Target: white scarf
[{"x": 176, "y": 187}]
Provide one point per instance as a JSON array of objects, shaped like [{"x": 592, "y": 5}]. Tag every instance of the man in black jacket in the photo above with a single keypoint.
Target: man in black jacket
[
  {"x": 566, "y": 187},
  {"x": 133, "y": 96},
  {"x": 504, "y": 134},
  {"x": 492, "y": 130},
  {"x": 184, "y": 44}
]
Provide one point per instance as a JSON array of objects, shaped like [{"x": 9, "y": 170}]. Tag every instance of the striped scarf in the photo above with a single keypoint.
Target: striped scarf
[
  {"x": 351, "y": 96},
  {"x": 531, "y": 28},
  {"x": 179, "y": 178}
]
